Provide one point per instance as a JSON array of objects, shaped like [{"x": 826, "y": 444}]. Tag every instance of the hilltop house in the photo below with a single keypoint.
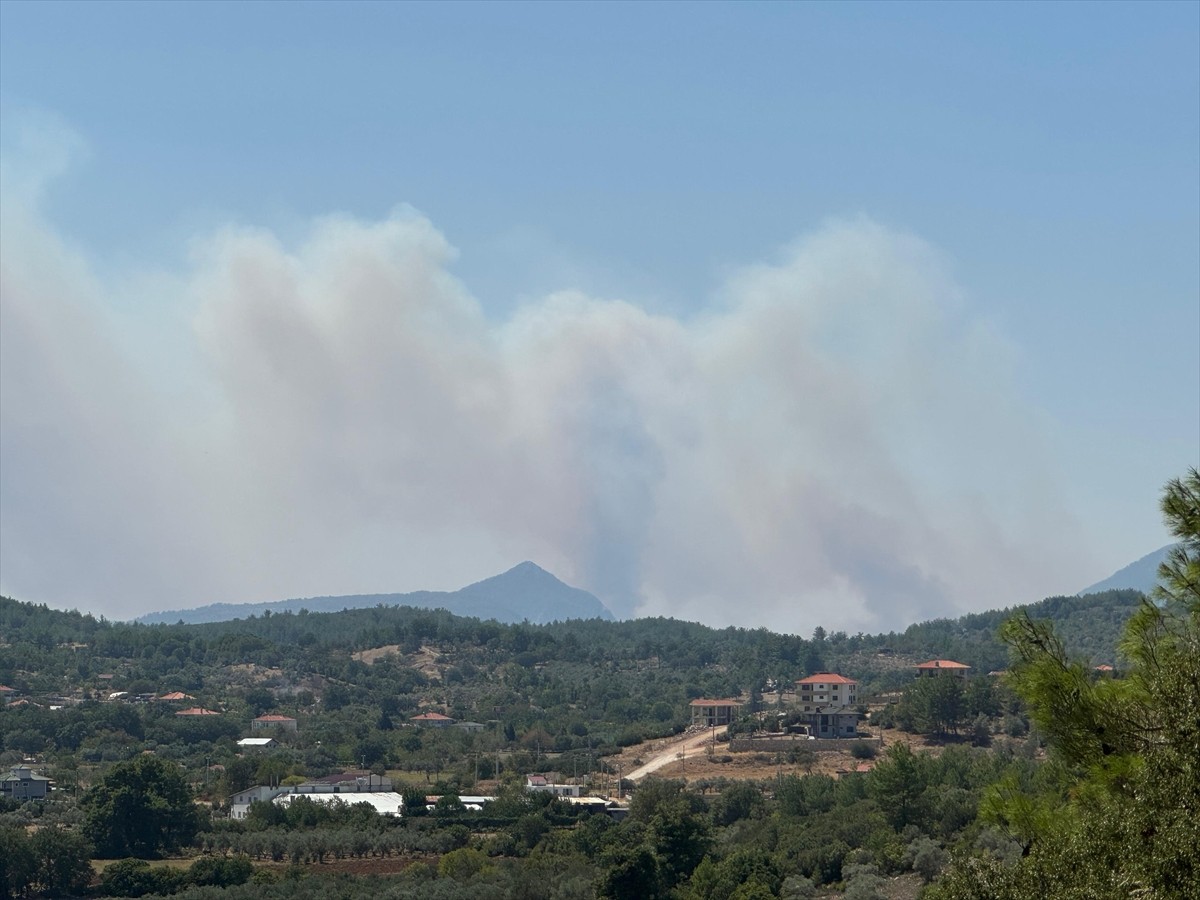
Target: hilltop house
[
  {"x": 7, "y": 694},
  {"x": 432, "y": 720},
  {"x": 22, "y": 784},
  {"x": 711, "y": 713},
  {"x": 935, "y": 667},
  {"x": 197, "y": 711},
  {"x": 825, "y": 689}
]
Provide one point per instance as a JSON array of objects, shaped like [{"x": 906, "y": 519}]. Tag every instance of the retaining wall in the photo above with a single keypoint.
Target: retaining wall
[{"x": 772, "y": 742}]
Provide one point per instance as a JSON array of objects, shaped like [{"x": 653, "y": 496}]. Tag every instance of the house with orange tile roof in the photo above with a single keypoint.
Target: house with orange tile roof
[
  {"x": 197, "y": 711},
  {"x": 826, "y": 689},
  {"x": 935, "y": 667},
  {"x": 826, "y": 702}
]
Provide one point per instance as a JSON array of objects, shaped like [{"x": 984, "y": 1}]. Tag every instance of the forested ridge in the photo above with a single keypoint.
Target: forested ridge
[{"x": 975, "y": 816}]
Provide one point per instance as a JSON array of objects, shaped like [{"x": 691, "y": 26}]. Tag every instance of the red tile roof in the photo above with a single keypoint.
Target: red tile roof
[
  {"x": 197, "y": 711},
  {"x": 942, "y": 664},
  {"x": 177, "y": 695},
  {"x": 826, "y": 678},
  {"x": 431, "y": 717},
  {"x": 274, "y": 717},
  {"x": 703, "y": 702}
]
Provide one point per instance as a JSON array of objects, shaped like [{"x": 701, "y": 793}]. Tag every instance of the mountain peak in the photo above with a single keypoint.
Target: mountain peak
[
  {"x": 526, "y": 592},
  {"x": 1141, "y": 575},
  {"x": 527, "y": 567}
]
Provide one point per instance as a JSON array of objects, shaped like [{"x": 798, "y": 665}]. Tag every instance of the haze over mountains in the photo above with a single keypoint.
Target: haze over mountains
[
  {"x": 528, "y": 593},
  {"x": 1141, "y": 575},
  {"x": 525, "y": 592}
]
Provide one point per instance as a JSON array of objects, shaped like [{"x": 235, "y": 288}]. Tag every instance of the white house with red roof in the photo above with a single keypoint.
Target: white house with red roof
[{"x": 826, "y": 689}]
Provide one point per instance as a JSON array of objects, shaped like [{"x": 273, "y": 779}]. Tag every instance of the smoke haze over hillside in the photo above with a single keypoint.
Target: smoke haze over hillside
[{"x": 836, "y": 438}]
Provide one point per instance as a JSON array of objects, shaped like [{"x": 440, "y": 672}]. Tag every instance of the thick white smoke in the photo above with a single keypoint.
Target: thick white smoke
[{"x": 835, "y": 440}]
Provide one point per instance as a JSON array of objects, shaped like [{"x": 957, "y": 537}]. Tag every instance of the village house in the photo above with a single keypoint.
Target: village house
[
  {"x": 7, "y": 694},
  {"x": 935, "y": 667},
  {"x": 253, "y": 743},
  {"x": 432, "y": 720},
  {"x": 239, "y": 803},
  {"x": 826, "y": 689},
  {"x": 197, "y": 711},
  {"x": 711, "y": 713},
  {"x": 272, "y": 720},
  {"x": 541, "y": 784},
  {"x": 22, "y": 784},
  {"x": 826, "y": 704}
]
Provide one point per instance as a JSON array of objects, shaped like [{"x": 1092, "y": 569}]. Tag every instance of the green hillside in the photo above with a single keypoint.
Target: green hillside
[{"x": 563, "y": 696}]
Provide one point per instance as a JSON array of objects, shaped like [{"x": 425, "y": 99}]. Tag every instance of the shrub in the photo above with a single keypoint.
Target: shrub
[
  {"x": 863, "y": 750},
  {"x": 221, "y": 871}
]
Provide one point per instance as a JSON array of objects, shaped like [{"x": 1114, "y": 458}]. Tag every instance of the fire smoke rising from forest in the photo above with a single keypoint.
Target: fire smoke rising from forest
[{"x": 836, "y": 439}]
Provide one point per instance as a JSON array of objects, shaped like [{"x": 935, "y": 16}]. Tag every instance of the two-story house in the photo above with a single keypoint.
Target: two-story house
[
  {"x": 711, "y": 713},
  {"x": 22, "y": 784}
]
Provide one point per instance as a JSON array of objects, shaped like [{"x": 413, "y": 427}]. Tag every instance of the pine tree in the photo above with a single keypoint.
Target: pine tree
[{"x": 1123, "y": 819}]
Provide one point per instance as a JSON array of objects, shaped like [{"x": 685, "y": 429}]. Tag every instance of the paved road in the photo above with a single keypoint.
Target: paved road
[{"x": 688, "y": 746}]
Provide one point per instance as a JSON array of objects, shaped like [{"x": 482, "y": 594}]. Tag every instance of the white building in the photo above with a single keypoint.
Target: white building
[
  {"x": 348, "y": 786},
  {"x": 386, "y": 803},
  {"x": 256, "y": 743},
  {"x": 540, "y": 784},
  {"x": 826, "y": 690}
]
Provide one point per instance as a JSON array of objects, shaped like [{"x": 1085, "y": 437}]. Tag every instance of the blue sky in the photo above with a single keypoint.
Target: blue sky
[{"x": 565, "y": 183}]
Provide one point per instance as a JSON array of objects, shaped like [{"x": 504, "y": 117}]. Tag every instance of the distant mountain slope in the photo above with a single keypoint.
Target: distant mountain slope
[
  {"x": 1138, "y": 576},
  {"x": 524, "y": 593}
]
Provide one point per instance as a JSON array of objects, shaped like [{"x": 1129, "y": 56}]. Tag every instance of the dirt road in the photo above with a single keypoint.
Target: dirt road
[{"x": 688, "y": 745}]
